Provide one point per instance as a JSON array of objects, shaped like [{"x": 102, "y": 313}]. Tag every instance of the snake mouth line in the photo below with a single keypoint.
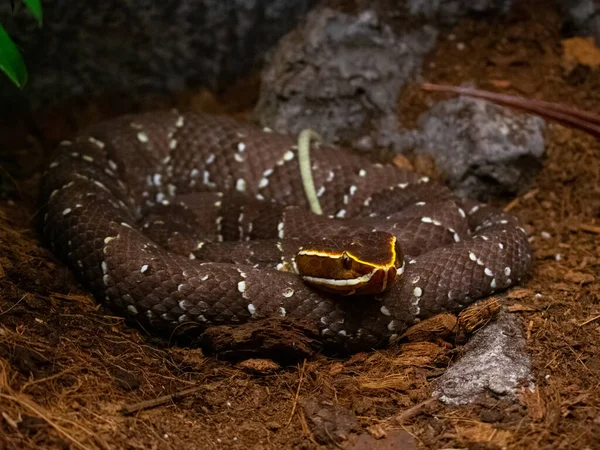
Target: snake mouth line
[{"x": 349, "y": 282}]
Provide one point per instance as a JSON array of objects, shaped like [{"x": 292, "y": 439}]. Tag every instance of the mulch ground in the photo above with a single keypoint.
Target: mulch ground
[{"x": 68, "y": 368}]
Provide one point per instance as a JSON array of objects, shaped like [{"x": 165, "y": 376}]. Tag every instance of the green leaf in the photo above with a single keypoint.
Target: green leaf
[
  {"x": 35, "y": 7},
  {"x": 11, "y": 61}
]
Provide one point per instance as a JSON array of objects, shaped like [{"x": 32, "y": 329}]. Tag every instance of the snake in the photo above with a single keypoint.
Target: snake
[{"x": 189, "y": 221}]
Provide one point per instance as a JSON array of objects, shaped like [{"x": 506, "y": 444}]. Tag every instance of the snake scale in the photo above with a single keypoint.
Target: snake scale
[{"x": 184, "y": 221}]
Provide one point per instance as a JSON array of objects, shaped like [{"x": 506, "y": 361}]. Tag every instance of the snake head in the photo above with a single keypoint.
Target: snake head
[{"x": 362, "y": 264}]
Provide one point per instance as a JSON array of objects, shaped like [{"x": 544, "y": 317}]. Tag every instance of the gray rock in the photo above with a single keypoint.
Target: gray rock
[
  {"x": 481, "y": 149},
  {"x": 582, "y": 17},
  {"x": 340, "y": 75},
  {"x": 495, "y": 362},
  {"x": 447, "y": 12},
  {"x": 132, "y": 47}
]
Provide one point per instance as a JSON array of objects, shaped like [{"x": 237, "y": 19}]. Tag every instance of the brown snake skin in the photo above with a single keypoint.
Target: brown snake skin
[{"x": 119, "y": 207}]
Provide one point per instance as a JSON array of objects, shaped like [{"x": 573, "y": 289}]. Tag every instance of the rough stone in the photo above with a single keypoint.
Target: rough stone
[
  {"x": 582, "y": 17},
  {"x": 133, "y": 47},
  {"x": 340, "y": 74},
  {"x": 481, "y": 149},
  {"x": 495, "y": 362}
]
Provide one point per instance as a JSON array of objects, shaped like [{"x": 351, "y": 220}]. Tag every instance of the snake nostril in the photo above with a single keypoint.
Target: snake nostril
[{"x": 346, "y": 261}]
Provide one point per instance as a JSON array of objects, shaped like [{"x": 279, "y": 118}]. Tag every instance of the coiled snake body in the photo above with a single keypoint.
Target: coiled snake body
[{"x": 183, "y": 220}]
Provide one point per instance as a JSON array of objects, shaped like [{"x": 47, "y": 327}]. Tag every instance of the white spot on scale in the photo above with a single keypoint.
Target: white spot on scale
[
  {"x": 206, "y": 178},
  {"x": 204, "y": 278},
  {"x": 106, "y": 279},
  {"x": 104, "y": 267},
  {"x": 87, "y": 158},
  {"x": 156, "y": 179},
  {"x": 241, "y": 286},
  {"x": 462, "y": 212},
  {"x": 288, "y": 292},
  {"x": 417, "y": 292},
  {"x": 362, "y": 173},
  {"x": 191, "y": 256},
  {"x": 500, "y": 245},
  {"x": 210, "y": 159},
  {"x": 53, "y": 164},
  {"x": 385, "y": 311},
  {"x": 264, "y": 182},
  {"x": 426, "y": 220},
  {"x": 132, "y": 309},
  {"x": 238, "y": 157},
  {"x": 342, "y": 333},
  {"x": 172, "y": 145},
  {"x": 507, "y": 271},
  {"x": 66, "y": 211},
  {"x": 142, "y": 137},
  {"x": 251, "y": 308},
  {"x": 321, "y": 191},
  {"x": 330, "y": 176},
  {"x": 280, "y": 230},
  {"x": 112, "y": 164},
  {"x": 241, "y": 147},
  {"x": 144, "y": 268},
  {"x": 100, "y": 185},
  {"x": 240, "y": 185},
  {"x": 96, "y": 142},
  {"x": 472, "y": 256},
  {"x": 493, "y": 283},
  {"x": 392, "y": 325},
  {"x": 180, "y": 122},
  {"x": 488, "y": 272},
  {"x": 341, "y": 214},
  {"x": 288, "y": 156},
  {"x": 282, "y": 311}
]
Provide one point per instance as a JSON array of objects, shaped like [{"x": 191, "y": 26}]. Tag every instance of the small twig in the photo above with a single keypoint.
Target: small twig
[
  {"x": 20, "y": 400},
  {"x": 294, "y": 405},
  {"x": 590, "y": 320},
  {"x": 414, "y": 411},
  {"x": 512, "y": 204},
  {"x": 10, "y": 421},
  {"x": 590, "y": 228},
  {"x": 130, "y": 409},
  {"x": 13, "y": 305}
]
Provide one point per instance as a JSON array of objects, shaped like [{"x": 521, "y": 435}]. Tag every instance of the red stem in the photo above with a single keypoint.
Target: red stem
[{"x": 567, "y": 115}]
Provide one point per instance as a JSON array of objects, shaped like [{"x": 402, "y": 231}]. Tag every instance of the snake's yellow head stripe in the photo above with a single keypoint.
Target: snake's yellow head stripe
[{"x": 357, "y": 265}]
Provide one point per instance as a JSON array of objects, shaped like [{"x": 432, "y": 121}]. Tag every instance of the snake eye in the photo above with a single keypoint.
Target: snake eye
[{"x": 346, "y": 261}]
